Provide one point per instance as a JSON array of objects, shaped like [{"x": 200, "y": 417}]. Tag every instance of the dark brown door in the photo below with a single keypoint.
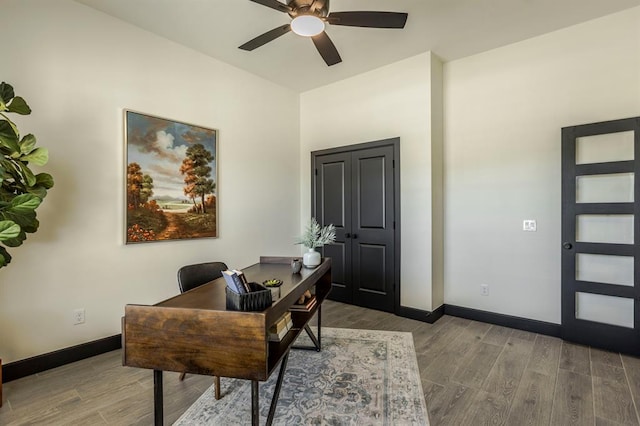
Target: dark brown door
[
  {"x": 600, "y": 227},
  {"x": 355, "y": 191}
]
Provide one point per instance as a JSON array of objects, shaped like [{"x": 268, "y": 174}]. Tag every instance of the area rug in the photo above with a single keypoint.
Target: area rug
[{"x": 361, "y": 377}]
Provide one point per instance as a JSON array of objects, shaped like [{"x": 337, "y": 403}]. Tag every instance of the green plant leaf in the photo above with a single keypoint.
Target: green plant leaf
[
  {"x": 38, "y": 190},
  {"x": 27, "y": 174},
  {"x": 12, "y": 125},
  {"x": 11, "y": 169},
  {"x": 8, "y": 230},
  {"x": 44, "y": 179},
  {"x": 5, "y": 257},
  {"x": 32, "y": 226},
  {"x": 23, "y": 219},
  {"x": 19, "y": 106},
  {"x": 316, "y": 236},
  {"x": 6, "y": 92},
  {"x": 17, "y": 241},
  {"x": 27, "y": 144},
  {"x": 8, "y": 137},
  {"x": 24, "y": 203},
  {"x": 38, "y": 156},
  {"x": 6, "y": 130}
]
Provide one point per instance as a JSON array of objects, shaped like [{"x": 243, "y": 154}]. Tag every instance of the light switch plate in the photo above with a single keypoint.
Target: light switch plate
[{"x": 529, "y": 225}]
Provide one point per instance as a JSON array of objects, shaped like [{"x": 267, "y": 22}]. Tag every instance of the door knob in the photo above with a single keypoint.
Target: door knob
[
  {"x": 347, "y": 235},
  {"x": 355, "y": 236},
  {"x": 567, "y": 246}
]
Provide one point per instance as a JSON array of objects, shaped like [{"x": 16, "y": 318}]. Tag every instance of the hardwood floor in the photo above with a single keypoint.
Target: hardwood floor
[{"x": 472, "y": 374}]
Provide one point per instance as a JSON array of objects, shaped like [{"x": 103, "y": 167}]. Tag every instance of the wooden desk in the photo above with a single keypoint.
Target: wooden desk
[{"x": 195, "y": 333}]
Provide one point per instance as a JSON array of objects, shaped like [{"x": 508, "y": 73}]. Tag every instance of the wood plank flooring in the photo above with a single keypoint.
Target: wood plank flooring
[{"x": 472, "y": 374}]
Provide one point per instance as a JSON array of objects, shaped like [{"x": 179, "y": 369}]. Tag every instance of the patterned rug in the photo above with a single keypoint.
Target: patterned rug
[{"x": 361, "y": 377}]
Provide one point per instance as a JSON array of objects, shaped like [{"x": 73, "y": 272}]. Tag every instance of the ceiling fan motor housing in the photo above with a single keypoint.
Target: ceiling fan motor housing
[{"x": 319, "y": 8}]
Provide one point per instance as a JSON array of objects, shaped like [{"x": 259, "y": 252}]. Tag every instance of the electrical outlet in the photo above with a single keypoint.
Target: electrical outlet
[
  {"x": 78, "y": 316},
  {"x": 484, "y": 289}
]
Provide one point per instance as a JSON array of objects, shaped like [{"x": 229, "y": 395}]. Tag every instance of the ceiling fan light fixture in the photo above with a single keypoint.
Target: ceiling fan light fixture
[{"x": 307, "y": 25}]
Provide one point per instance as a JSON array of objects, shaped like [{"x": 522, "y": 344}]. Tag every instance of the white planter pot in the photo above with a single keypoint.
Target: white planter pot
[{"x": 311, "y": 259}]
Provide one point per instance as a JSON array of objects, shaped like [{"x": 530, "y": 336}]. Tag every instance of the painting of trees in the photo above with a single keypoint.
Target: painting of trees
[
  {"x": 139, "y": 186},
  {"x": 171, "y": 179},
  {"x": 190, "y": 178},
  {"x": 134, "y": 185},
  {"x": 197, "y": 173}
]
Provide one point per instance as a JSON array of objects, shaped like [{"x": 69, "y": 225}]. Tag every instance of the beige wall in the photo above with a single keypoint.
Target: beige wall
[
  {"x": 504, "y": 110},
  {"x": 384, "y": 103},
  {"x": 79, "y": 69}
]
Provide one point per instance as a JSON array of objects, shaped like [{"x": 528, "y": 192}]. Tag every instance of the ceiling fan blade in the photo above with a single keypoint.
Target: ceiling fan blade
[
  {"x": 274, "y": 4},
  {"x": 368, "y": 19},
  {"x": 326, "y": 48},
  {"x": 266, "y": 37}
]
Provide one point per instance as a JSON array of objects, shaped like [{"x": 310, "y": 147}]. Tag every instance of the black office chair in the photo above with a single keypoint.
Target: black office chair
[{"x": 192, "y": 276}]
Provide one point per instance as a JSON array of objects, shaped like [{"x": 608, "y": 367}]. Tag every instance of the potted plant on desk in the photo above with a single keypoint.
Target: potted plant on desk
[{"x": 315, "y": 236}]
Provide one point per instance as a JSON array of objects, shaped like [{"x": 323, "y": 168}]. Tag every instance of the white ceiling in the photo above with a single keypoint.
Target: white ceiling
[{"x": 452, "y": 29}]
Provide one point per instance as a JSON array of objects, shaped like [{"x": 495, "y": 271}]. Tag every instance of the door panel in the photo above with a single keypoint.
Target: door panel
[
  {"x": 611, "y": 188},
  {"x": 372, "y": 268},
  {"x": 600, "y": 218},
  {"x": 606, "y": 269},
  {"x": 605, "y": 147},
  {"x": 333, "y": 205},
  {"x": 605, "y": 228},
  {"x": 611, "y": 310},
  {"x": 340, "y": 270},
  {"x": 371, "y": 192},
  {"x": 333, "y": 195}
]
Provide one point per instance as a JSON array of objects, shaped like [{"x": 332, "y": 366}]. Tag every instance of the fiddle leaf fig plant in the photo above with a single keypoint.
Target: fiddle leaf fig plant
[{"x": 21, "y": 191}]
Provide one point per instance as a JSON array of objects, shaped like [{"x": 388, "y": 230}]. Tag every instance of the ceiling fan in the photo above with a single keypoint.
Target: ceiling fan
[{"x": 308, "y": 18}]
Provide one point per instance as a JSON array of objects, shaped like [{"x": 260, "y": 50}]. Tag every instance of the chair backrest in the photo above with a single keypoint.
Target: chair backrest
[{"x": 192, "y": 276}]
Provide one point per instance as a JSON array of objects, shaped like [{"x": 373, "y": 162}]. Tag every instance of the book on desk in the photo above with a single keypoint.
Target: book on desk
[
  {"x": 307, "y": 306},
  {"x": 236, "y": 281},
  {"x": 280, "y": 329}
]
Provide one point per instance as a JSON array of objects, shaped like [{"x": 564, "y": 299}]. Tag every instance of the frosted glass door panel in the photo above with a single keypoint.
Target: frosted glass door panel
[
  {"x": 605, "y": 309},
  {"x": 601, "y": 268},
  {"x": 605, "y": 228},
  {"x": 605, "y": 148},
  {"x": 612, "y": 188}
]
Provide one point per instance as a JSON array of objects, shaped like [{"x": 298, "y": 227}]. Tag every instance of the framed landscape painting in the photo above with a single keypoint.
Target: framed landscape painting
[{"x": 171, "y": 184}]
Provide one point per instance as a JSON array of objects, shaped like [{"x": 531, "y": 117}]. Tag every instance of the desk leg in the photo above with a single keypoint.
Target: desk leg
[
  {"x": 317, "y": 342},
  {"x": 255, "y": 403},
  {"x": 276, "y": 391},
  {"x": 314, "y": 339},
  {"x": 319, "y": 327},
  {"x": 158, "y": 415}
]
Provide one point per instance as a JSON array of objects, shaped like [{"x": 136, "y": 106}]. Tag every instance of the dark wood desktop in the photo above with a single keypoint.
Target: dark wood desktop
[{"x": 195, "y": 333}]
